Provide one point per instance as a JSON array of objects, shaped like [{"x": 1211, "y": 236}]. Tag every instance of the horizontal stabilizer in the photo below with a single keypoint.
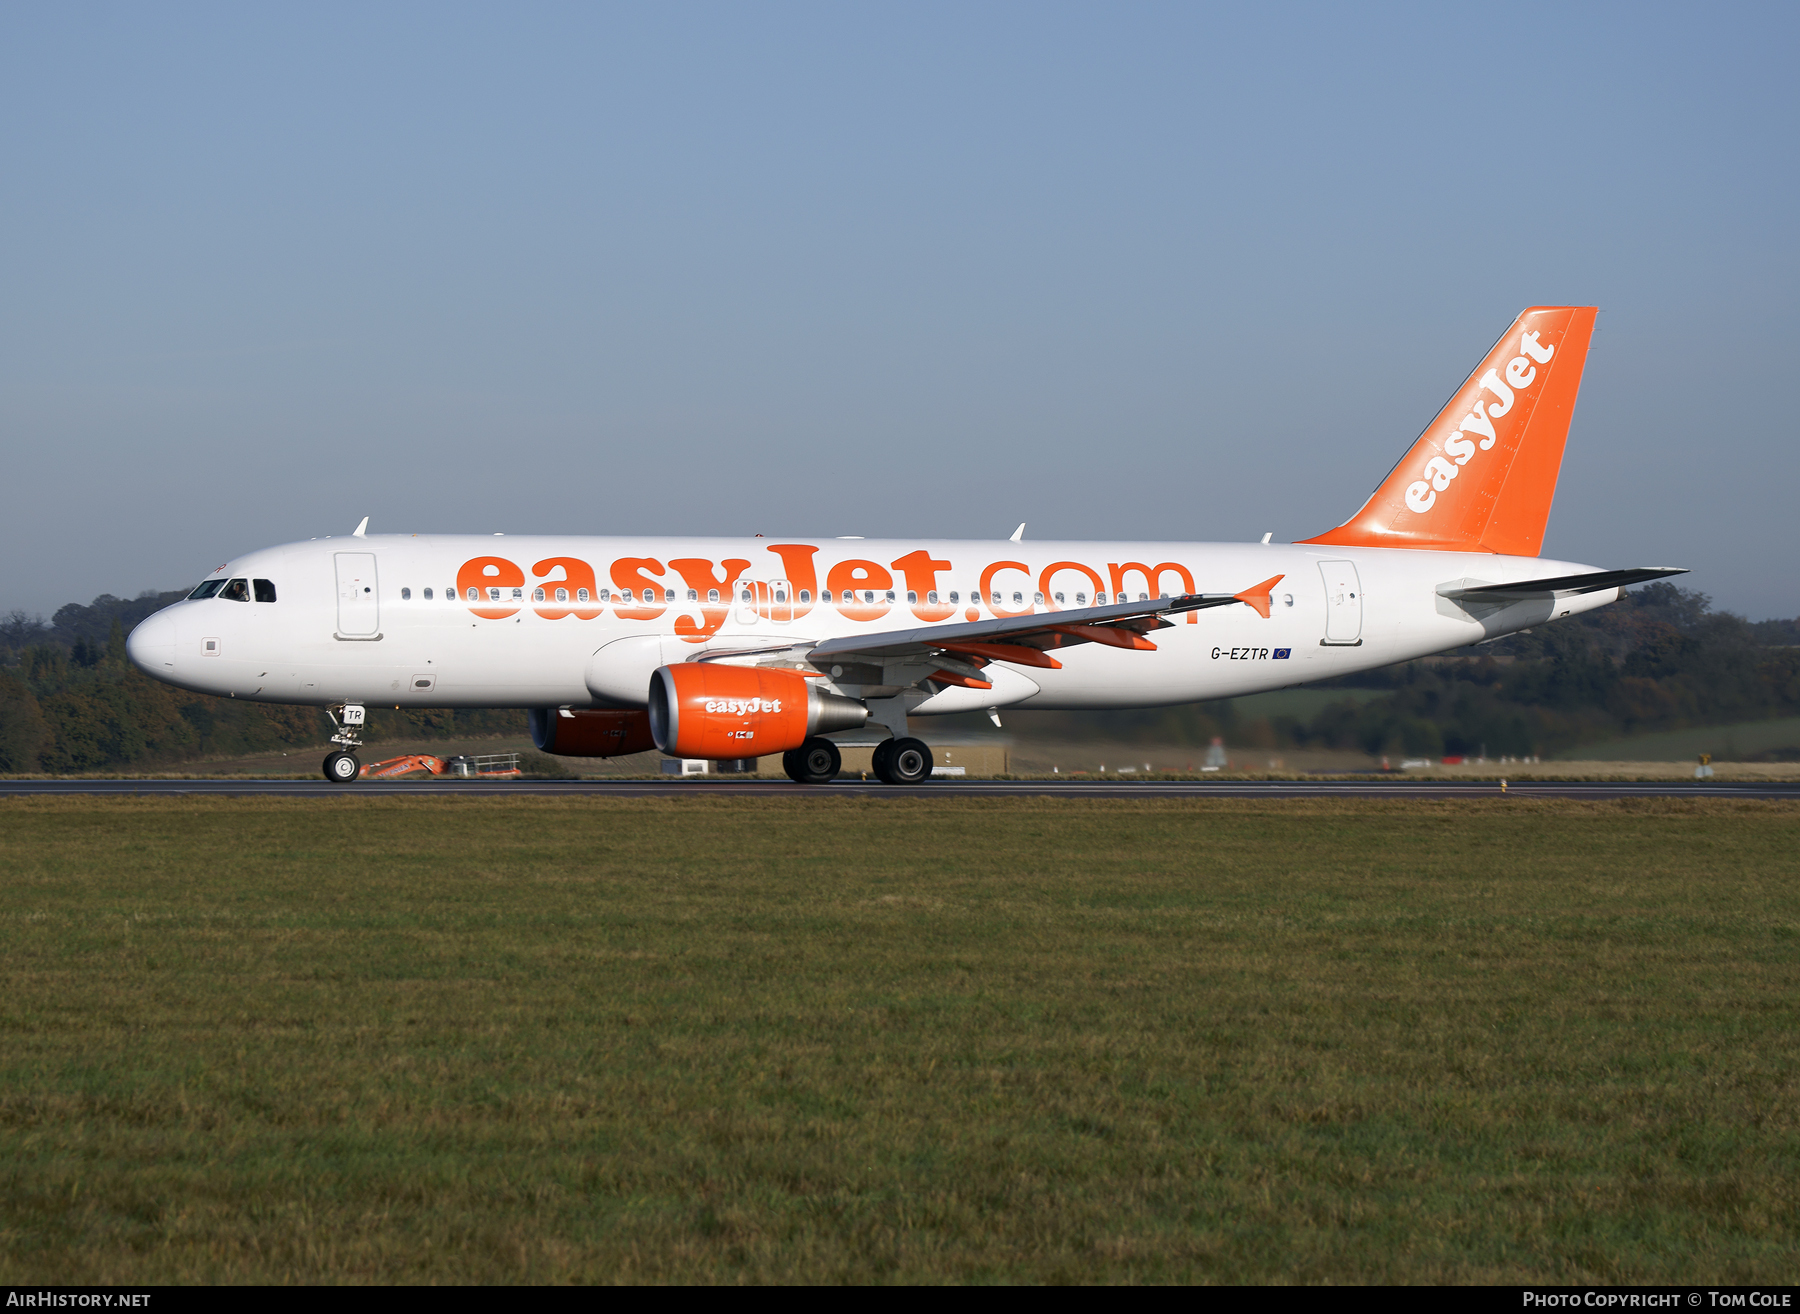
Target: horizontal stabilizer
[{"x": 1592, "y": 582}]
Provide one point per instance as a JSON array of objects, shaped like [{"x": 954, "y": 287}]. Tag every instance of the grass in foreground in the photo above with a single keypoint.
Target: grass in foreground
[{"x": 712, "y": 1039}]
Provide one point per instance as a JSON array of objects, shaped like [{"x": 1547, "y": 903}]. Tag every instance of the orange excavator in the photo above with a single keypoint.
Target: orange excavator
[{"x": 487, "y": 766}]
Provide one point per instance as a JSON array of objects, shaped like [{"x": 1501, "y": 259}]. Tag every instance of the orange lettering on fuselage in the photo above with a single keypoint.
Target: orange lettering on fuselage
[
  {"x": 628, "y": 574},
  {"x": 798, "y": 569},
  {"x": 487, "y": 583},
  {"x": 1119, "y": 570},
  {"x": 850, "y": 580},
  {"x": 577, "y": 582},
  {"x": 921, "y": 573},
  {"x": 860, "y": 587},
  {"x": 699, "y": 575},
  {"x": 987, "y": 587},
  {"x": 1050, "y": 572}
]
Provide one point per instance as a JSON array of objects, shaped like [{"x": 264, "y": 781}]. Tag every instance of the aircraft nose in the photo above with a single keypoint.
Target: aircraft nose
[{"x": 151, "y": 646}]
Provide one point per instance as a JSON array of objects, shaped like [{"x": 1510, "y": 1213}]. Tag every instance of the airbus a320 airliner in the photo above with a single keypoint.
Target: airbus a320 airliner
[{"x": 731, "y": 648}]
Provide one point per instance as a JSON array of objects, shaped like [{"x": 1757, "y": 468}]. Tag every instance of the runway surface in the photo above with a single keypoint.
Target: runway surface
[{"x": 717, "y": 788}]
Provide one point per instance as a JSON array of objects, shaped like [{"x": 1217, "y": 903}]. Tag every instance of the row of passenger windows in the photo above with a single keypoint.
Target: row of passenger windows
[
  {"x": 492, "y": 594},
  {"x": 997, "y": 598},
  {"x": 236, "y": 590},
  {"x": 242, "y": 590}
]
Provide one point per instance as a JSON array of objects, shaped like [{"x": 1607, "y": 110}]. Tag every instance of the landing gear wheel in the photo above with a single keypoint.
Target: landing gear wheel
[
  {"x": 878, "y": 757},
  {"x": 906, "y": 762},
  {"x": 342, "y": 768},
  {"x": 816, "y": 762}
]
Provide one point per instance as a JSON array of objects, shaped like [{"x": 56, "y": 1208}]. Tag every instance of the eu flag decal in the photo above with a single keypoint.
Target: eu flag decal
[{"x": 1282, "y": 654}]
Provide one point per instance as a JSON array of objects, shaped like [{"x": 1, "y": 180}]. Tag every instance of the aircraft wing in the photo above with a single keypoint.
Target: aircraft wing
[
  {"x": 1027, "y": 640},
  {"x": 1591, "y": 582}
]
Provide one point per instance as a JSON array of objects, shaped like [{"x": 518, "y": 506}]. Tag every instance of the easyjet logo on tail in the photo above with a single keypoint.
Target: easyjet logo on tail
[
  {"x": 1521, "y": 373},
  {"x": 1482, "y": 475}
]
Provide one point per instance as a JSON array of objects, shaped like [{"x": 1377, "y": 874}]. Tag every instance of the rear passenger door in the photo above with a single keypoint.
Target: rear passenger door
[{"x": 1343, "y": 604}]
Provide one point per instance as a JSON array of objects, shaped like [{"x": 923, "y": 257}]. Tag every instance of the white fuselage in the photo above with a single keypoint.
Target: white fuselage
[{"x": 389, "y": 620}]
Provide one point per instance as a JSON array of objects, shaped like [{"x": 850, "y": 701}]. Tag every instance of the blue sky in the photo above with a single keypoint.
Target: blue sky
[{"x": 1117, "y": 271}]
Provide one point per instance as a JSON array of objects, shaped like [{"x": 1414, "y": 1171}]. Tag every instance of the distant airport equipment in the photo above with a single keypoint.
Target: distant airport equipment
[
  {"x": 732, "y": 649},
  {"x": 486, "y": 764}
]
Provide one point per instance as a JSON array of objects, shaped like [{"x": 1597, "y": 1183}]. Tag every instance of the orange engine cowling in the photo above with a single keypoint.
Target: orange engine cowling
[
  {"x": 702, "y": 709},
  {"x": 570, "y": 733}
]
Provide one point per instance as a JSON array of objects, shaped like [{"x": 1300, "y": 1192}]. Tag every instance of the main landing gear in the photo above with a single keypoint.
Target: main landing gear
[
  {"x": 896, "y": 761},
  {"x": 902, "y": 761},
  {"x": 816, "y": 762},
  {"x": 342, "y": 766}
]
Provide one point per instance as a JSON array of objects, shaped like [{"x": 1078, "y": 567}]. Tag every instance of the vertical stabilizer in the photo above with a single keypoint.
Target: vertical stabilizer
[{"x": 1483, "y": 474}]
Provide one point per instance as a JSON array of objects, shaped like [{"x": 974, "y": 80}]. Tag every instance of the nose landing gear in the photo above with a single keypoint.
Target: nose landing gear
[{"x": 343, "y": 766}]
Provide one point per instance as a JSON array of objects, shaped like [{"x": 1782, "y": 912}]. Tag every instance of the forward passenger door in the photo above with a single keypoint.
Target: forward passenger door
[{"x": 358, "y": 596}]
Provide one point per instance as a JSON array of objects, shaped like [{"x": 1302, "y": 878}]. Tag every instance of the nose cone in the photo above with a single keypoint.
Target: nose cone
[{"x": 151, "y": 646}]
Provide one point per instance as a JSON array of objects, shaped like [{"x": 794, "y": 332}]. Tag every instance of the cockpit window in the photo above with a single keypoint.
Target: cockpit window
[
  {"x": 207, "y": 589},
  {"x": 265, "y": 590},
  {"x": 236, "y": 591}
]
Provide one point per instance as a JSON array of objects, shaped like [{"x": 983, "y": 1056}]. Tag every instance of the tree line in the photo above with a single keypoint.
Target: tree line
[
  {"x": 70, "y": 701},
  {"x": 1659, "y": 659}
]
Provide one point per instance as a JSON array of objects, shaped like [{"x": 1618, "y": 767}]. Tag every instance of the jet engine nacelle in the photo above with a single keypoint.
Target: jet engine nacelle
[
  {"x": 703, "y": 709},
  {"x": 570, "y": 733}
]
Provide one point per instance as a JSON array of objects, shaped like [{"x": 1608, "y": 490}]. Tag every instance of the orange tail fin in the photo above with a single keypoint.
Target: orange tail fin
[{"x": 1483, "y": 474}]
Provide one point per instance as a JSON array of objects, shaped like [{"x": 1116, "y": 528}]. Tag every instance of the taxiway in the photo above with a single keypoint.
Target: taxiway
[{"x": 715, "y": 788}]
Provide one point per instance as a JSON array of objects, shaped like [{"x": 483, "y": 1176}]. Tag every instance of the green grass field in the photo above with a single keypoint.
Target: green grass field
[{"x": 828, "y": 1040}]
